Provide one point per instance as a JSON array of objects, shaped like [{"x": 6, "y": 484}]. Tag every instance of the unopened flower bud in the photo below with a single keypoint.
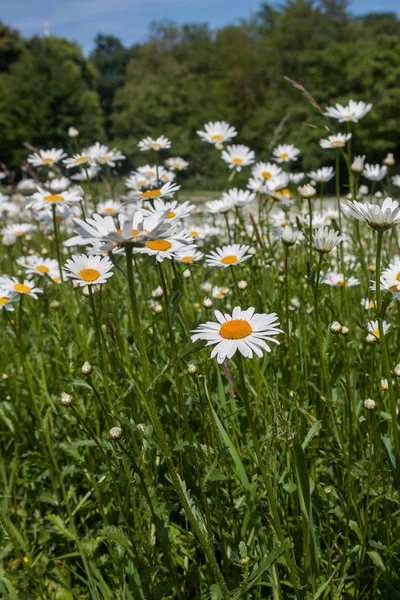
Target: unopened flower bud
[
  {"x": 187, "y": 274},
  {"x": 345, "y": 330},
  {"x": 207, "y": 303},
  {"x": 336, "y": 327},
  {"x": 157, "y": 293},
  {"x": 307, "y": 191},
  {"x": 357, "y": 165},
  {"x": 72, "y": 132},
  {"x": 371, "y": 339},
  {"x": 396, "y": 370},
  {"x": 363, "y": 190},
  {"x": 158, "y": 308},
  {"x": 369, "y": 404},
  {"x": 66, "y": 399},
  {"x": 244, "y": 560},
  {"x": 115, "y": 433},
  {"x": 192, "y": 369},
  {"x": 55, "y": 304},
  {"x": 389, "y": 160},
  {"x": 86, "y": 368},
  {"x": 242, "y": 284}
]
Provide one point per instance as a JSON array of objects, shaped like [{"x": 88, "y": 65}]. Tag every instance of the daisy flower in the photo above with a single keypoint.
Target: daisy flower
[
  {"x": 265, "y": 170},
  {"x": 227, "y": 256},
  {"x": 188, "y": 255},
  {"x": 238, "y": 156},
  {"x": 167, "y": 247},
  {"x": 357, "y": 166},
  {"x": 390, "y": 279},
  {"x": 17, "y": 230},
  {"x": 338, "y": 280},
  {"x": 238, "y": 197},
  {"x": 78, "y": 160},
  {"x": 217, "y": 133},
  {"x": 245, "y": 331},
  {"x": 7, "y": 300},
  {"x": 220, "y": 292},
  {"x": 11, "y": 285},
  {"x": 373, "y": 328},
  {"x": 220, "y": 206},
  {"x": 285, "y": 153},
  {"x": 367, "y": 304},
  {"x": 109, "y": 207},
  {"x": 278, "y": 182},
  {"x": 325, "y": 239},
  {"x": 57, "y": 184},
  {"x": 88, "y": 270},
  {"x": 86, "y": 174},
  {"x": 43, "y": 198},
  {"x": 45, "y": 157},
  {"x": 173, "y": 210},
  {"x": 166, "y": 190},
  {"x": 352, "y": 112},
  {"x": 377, "y": 217},
  {"x": 374, "y": 172},
  {"x": 335, "y": 141},
  {"x": 322, "y": 175},
  {"x": 290, "y": 236},
  {"x": 102, "y": 155},
  {"x": 176, "y": 164},
  {"x": 42, "y": 266},
  {"x": 26, "y": 185},
  {"x": 160, "y": 143}
]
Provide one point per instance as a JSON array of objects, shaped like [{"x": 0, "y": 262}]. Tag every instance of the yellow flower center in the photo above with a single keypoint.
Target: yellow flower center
[
  {"x": 47, "y": 160},
  {"x": 53, "y": 198},
  {"x": 4, "y": 300},
  {"x": 283, "y": 223},
  {"x": 341, "y": 282},
  {"x": 81, "y": 159},
  {"x": 18, "y": 232},
  {"x": 42, "y": 269},
  {"x": 89, "y": 274},
  {"x": 187, "y": 259},
  {"x": 219, "y": 295},
  {"x": 194, "y": 233},
  {"x": 237, "y": 161},
  {"x": 393, "y": 288},
  {"x": 237, "y": 329},
  {"x": 151, "y": 194},
  {"x": 175, "y": 165},
  {"x": 216, "y": 138},
  {"x": 135, "y": 231},
  {"x": 159, "y": 245},
  {"x": 58, "y": 218},
  {"x": 284, "y": 155},
  {"x": 156, "y": 146},
  {"x": 337, "y": 143},
  {"x": 56, "y": 279},
  {"x": 23, "y": 289},
  {"x": 105, "y": 158},
  {"x": 372, "y": 304},
  {"x": 375, "y": 332},
  {"x": 229, "y": 260},
  {"x": 266, "y": 175},
  {"x": 171, "y": 215},
  {"x": 348, "y": 117},
  {"x": 110, "y": 209}
]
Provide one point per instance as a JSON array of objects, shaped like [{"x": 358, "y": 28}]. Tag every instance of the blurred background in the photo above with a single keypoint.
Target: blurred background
[{"x": 119, "y": 70}]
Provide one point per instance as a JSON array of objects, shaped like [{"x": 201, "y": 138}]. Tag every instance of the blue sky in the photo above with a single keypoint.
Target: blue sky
[{"x": 81, "y": 20}]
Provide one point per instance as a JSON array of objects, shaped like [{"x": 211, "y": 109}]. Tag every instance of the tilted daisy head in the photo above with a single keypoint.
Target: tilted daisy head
[
  {"x": 378, "y": 217},
  {"x": 244, "y": 330},
  {"x": 217, "y": 133}
]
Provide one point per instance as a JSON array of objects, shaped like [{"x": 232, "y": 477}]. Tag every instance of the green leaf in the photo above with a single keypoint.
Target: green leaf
[
  {"x": 314, "y": 429},
  {"x": 376, "y": 559},
  {"x": 118, "y": 536},
  {"x": 390, "y": 456},
  {"x": 266, "y": 562},
  {"x": 243, "y": 550},
  {"x": 60, "y": 526},
  {"x": 215, "y": 592}
]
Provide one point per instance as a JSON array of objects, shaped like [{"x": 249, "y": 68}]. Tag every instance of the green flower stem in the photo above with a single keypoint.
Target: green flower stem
[
  {"x": 228, "y": 229},
  {"x": 275, "y": 519},
  {"x": 152, "y": 411},
  {"x": 386, "y": 364},
  {"x": 57, "y": 242},
  {"x": 325, "y": 378},
  {"x": 310, "y": 229}
]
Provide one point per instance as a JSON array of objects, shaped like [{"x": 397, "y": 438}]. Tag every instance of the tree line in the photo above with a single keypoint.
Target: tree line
[{"x": 183, "y": 76}]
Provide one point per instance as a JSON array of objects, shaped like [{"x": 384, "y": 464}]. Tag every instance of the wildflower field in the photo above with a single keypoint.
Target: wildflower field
[{"x": 200, "y": 400}]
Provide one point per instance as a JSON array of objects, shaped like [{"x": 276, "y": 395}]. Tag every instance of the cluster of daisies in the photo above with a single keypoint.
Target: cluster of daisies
[{"x": 151, "y": 220}]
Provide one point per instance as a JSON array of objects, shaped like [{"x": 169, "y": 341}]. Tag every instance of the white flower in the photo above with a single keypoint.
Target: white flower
[
  {"x": 227, "y": 256},
  {"x": 290, "y": 236},
  {"x": 78, "y": 160},
  {"x": 238, "y": 197},
  {"x": 238, "y": 156},
  {"x": 86, "y": 174},
  {"x": 176, "y": 164},
  {"x": 375, "y": 172},
  {"x": 265, "y": 171},
  {"x": 166, "y": 247},
  {"x": 44, "y": 199},
  {"x": 390, "y": 279},
  {"x": 188, "y": 255},
  {"x": 322, "y": 175},
  {"x": 220, "y": 206},
  {"x": 369, "y": 404},
  {"x": 18, "y": 229},
  {"x": 307, "y": 191},
  {"x": 396, "y": 180},
  {"x": 57, "y": 184},
  {"x": 11, "y": 285},
  {"x": 285, "y": 153},
  {"x": 46, "y": 157},
  {"x": 325, "y": 239},
  {"x": 296, "y": 177},
  {"x": 243, "y": 331},
  {"x": 335, "y": 141},
  {"x": 160, "y": 143},
  {"x": 109, "y": 207},
  {"x": 220, "y": 292},
  {"x": 363, "y": 190},
  {"x": 367, "y": 304},
  {"x": 72, "y": 132},
  {"x": 377, "y": 217},
  {"x": 42, "y": 266},
  {"x": 373, "y": 328},
  {"x": 26, "y": 184},
  {"x": 217, "y": 133},
  {"x": 7, "y": 300},
  {"x": 166, "y": 190},
  {"x": 357, "y": 166},
  {"x": 338, "y": 280},
  {"x": 389, "y": 160},
  {"x": 173, "y": 210},
  {"x": 278, "y": 182},
  {"x": 352, "y": 112},
  {"x": 102, "y": 155},
  {"x": 88, "y": 270}
]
